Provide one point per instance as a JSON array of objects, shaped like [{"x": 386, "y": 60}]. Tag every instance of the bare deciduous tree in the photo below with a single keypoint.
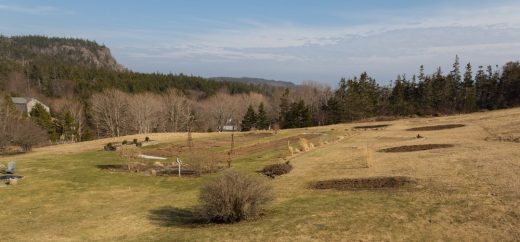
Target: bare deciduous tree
[
  {"x": 15, "y": 129},
  {"x": 109, "y": 110},
  {"x": 176, "y": 111},
  {"x": 143, "y": 112}
]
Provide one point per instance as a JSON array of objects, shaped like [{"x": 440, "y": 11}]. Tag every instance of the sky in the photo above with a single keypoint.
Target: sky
[{"x": 298, "y": 40}]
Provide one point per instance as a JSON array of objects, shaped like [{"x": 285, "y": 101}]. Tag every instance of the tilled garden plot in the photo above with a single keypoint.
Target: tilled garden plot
[
  {"x": 363, "y": 183},
  {"x": 412, "y": 148},
  {"x": 436, "y": 127}
]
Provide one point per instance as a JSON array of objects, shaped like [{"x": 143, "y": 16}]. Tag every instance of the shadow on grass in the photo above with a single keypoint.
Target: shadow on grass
[{"x": 175, "y": 217}]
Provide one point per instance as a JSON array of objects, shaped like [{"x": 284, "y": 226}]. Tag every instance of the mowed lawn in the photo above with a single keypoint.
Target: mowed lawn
[{"x": 469, "y": 192}]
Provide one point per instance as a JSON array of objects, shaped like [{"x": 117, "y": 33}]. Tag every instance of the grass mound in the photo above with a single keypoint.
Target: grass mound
[
  {"x": 363, "y": 183},
  {"x": 436, "y": 127},
  {"x": 372, "y": 126},
  {"x": 411, "y": 148},
  {"x": 277, "y": 169}
]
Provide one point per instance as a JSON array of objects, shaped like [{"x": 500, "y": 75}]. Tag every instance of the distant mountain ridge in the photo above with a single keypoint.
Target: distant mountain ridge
[
  {"x": 255, "y": 81},
  {"x": 36, "y": 49}
]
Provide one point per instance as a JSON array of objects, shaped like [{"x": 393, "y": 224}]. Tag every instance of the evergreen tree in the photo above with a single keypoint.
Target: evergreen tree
[
  {"x": 469, "y": 98},
  {"x": 67, "y": 125},
  {"x": 41, "y": 117},
  {"x": 249, "y": 120},
  {"x": 511, "y": 82},
  {"x": 284, "y": 107},
  {"x": 454, "y": 86},
  {"x": 261, "y": 119}
]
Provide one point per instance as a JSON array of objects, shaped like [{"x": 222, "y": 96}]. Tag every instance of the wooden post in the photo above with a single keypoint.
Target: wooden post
[
  {"x": 230, "y": 153},
  {"x": 190, "y": 140},
  {"x": 179, "y": 164}
]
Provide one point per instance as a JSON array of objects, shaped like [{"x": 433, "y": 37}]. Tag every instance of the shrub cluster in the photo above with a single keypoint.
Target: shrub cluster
[
  {"x": 109, "y": 147},
  {"x": 233, "y": 197}
]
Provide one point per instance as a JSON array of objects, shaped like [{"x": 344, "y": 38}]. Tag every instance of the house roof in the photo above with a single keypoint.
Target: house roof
[{"x": 20, "y": 100}]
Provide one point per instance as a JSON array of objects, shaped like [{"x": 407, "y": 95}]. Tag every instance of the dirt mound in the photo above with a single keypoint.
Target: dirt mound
[
  {"x": 277, "y": 169},
  {"x": 363, "y": 183},
  {"x": 411, "y": 148},
  {"x": 437, "y": 127},
  {"x": 379, "y": 126}
]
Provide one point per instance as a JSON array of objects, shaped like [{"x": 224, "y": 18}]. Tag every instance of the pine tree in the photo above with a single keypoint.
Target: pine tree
[
  {"x": 261, "y": 119},
  {"x": 454, "y": 86},
  {"x": 481, "y": 86},
  {"x": 68, "y": 126},
  {"x": 249, "y": 120},
  {"x": 41, "y": 117},
  {"x": 284, "y": 108},
  {"x": 470, "y": 95}
]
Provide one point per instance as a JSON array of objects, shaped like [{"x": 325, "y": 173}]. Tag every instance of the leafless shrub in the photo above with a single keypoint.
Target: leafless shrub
[
  {"x": 27, "y": 134},
  {"x": 304, "y": 144},
  {"x": 202, "y": 162},
  {"x": 290, "y": 149},
  {"x": 233, "y": 197},
  {"x": 128, "y": 153}
]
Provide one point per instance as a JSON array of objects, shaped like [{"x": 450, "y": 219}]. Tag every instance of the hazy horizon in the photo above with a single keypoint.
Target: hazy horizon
[{"x": 291, "y": 41}]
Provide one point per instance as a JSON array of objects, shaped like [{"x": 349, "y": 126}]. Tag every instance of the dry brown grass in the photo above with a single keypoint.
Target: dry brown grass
[{"x": 470, "y": 192}]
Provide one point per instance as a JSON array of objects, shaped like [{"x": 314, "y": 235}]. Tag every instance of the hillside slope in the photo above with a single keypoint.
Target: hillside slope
[
  {"x": 36, "y": 49},
  {"x": 467, "y": 192}
]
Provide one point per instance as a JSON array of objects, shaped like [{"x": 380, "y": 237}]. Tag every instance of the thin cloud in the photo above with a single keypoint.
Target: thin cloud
[{"x": 33, "y": 10}]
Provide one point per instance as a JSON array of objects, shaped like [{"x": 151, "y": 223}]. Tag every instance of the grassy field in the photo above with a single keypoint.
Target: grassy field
[{"x": 468, "y": 192}]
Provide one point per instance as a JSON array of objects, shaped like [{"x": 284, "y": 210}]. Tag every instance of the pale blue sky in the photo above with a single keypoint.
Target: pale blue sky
[{"x": 285, "y": 40}]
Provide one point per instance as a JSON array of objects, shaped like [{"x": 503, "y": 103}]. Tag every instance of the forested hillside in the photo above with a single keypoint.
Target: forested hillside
[
  {"x": 58, "y": 67},
  {"x": 92, "y": 96}
]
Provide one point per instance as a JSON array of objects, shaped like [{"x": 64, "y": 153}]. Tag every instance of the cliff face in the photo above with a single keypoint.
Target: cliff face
[{"x": 34, "y": 49}]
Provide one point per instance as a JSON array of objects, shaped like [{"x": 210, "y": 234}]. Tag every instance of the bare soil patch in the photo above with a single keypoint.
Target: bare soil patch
[
  {"x": 437, "y": 127},
  {"x": 363, "y": 183},
  {"x": 152, "y": 169},
  {"x": 411, "y": 148},
  {"x": 379, "y": 126},
  {"x": 512, "y": 139}
]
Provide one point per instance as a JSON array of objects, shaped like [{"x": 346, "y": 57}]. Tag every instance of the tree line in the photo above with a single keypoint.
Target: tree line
[
  {"x": 455, "y": 92},
  {"x": 112, "y": 111}
]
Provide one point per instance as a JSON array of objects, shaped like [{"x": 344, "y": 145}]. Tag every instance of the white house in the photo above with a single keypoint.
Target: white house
[
  {"x": 26, "y": 104},
  {"x": 230, "y": 126}
]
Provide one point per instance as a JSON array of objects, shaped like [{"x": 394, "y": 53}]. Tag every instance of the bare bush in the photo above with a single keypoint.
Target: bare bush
[
  {"x": 128, "y": 153},
  {"x": 304, "y": 144},
  {"x": 27, "y": 134},
  {"x": 233, "y": 197},
  {"x": 202, "y": 162}
]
